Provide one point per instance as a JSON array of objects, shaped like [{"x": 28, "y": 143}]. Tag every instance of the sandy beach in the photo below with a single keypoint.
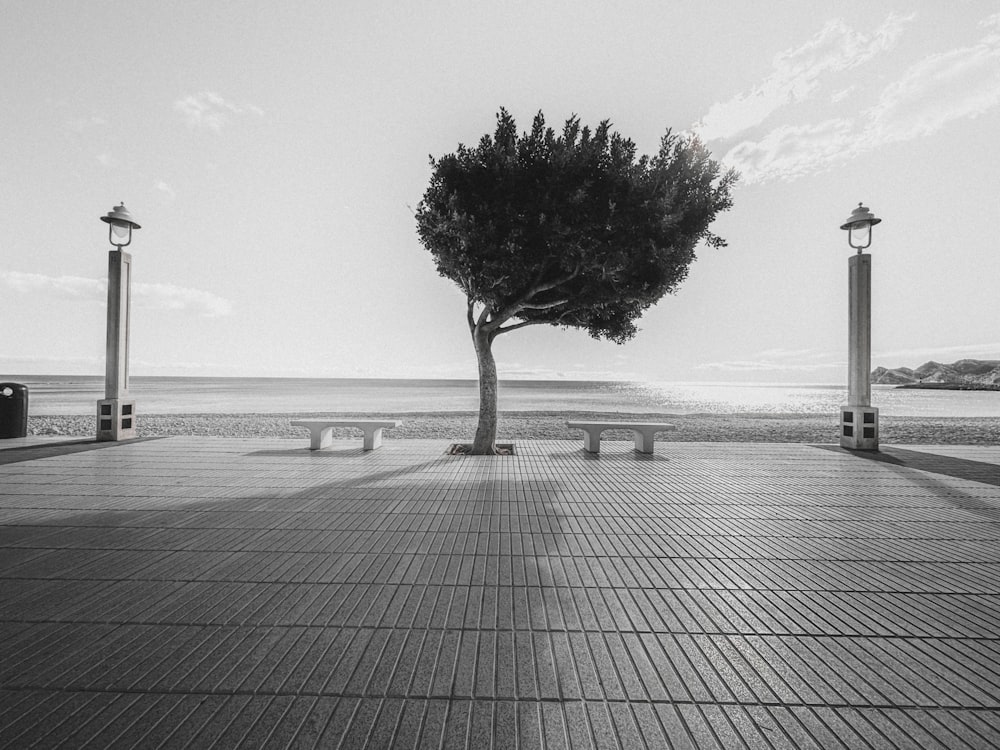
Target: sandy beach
[{"x": 460, "y": 426}]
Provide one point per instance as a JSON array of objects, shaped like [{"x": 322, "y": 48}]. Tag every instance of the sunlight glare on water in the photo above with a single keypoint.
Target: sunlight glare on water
[
  {"x": 776, "y": 398},
  {"x": 741, "y": 398}
]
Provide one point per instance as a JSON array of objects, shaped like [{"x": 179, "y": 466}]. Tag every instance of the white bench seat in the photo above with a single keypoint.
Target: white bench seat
[
  {"x": 643, "y": 431},
  {"x": 321, "y": 430}
]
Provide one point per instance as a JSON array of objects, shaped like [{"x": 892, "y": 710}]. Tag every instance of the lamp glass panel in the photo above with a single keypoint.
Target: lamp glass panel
[
  {"x": 120, "y": 232},
  {"x": 861, "y": 234}
]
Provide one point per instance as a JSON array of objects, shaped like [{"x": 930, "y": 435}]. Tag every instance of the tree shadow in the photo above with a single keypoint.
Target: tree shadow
[{"x": 434, "y": 524}]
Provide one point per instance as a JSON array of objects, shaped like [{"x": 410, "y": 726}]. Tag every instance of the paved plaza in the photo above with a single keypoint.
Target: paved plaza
[{"x": 209, "y": 592}]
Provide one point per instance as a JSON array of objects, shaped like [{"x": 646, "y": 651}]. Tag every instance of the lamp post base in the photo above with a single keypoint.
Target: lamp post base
[
  {"x": 859, "y": 427},
  {"x": 115, "y": 419}
]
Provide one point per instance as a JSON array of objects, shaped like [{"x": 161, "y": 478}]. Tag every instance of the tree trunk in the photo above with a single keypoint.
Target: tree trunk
[{"x": 486, "y": 432}]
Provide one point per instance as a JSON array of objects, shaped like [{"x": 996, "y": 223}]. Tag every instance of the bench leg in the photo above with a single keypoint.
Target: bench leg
[
  {"x": 373, "y": 438},
  {"x": 643, "y": 440},
  {"x": 592, "y": 441},
  {"x": 320, "y": 437}
]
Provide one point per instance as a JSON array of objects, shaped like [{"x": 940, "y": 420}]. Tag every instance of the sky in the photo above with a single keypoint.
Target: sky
[{"x": 275, "y": 152}]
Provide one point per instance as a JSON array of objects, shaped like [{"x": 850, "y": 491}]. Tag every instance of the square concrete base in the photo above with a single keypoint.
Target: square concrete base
[
  {"x": 859, "y": 427},
  {"x": 115, "y": 419}
]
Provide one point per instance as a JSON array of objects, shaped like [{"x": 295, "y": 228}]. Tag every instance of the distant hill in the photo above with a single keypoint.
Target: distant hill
[{"x": 967, "y": 373}]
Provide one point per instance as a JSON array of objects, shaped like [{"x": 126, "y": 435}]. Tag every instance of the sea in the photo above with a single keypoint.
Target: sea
[{"x": 67, "y": 395}]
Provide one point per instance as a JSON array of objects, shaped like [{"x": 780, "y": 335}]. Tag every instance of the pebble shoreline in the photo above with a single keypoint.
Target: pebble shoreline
[{"x": 461, "y": 426}]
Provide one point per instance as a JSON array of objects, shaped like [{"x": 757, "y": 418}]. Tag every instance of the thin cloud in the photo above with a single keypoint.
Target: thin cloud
[
  {"x": 792, "y": 151},
  {"x": 742, "y": 365},
  {"x": 579, "y": 371},
  {"x": 839, "y": 96},
  {"x": 797, "y": 73},
  {"x": 782, "y": 353},
  {"x": 170, "y": 297},
  {"x": 48, "y": 364},
  {"x": 149, "y": 296},
  {"x": 167, "y": 191},
  {"x": 79, "y": 124},
  {"x": 207, "y": 109},
  {"x": 944, "y": 87},
  {"x": 931, "y": 93},
  {"x": 778, "y": 360},
  {"x": 65, "y": 287}
]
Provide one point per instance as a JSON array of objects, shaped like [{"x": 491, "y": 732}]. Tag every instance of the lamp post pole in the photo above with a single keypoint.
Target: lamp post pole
[
  {"x": 116, "y": 411},
  {"x": 858, "y": 418}
]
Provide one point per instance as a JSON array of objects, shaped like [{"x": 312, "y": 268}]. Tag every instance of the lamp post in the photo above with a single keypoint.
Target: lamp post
[
  {"x": 116, "y": 411},
  {"x": 858, "y": 418}
]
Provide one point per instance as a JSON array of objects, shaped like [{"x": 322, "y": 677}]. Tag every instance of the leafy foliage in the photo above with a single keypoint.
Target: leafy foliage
[{"x": 569, "y": 229}]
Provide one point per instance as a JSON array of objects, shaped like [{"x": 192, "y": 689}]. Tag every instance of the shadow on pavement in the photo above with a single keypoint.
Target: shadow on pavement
[
  {"x": 607, "y": 455},
  {"x": 960, "y": 468},
  {"x": 47, "y": 450},
  {"x": 299, "y": 452}
]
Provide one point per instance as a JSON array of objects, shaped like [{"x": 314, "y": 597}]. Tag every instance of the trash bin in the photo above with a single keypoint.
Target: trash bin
[{"x": 13, "y": 410}]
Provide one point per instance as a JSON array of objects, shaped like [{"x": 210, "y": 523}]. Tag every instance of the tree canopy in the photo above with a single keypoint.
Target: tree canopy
[
  {"x": 567, "y": 229},
  {"x": 570, "y": 229}
]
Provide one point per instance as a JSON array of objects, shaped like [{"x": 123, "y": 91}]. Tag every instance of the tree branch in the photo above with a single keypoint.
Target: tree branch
[
  {"x": 537, "y": 288},
  {"x": 545, "y": 305},
  {"x": 484, "y": 317},
  {"x": 515, "y": 326},
  {"x": 522, "y": 302},
  {"x": 469, "y": 313}
]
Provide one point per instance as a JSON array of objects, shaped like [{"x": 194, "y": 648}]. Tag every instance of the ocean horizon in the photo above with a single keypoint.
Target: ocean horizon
[{"x": 50, "y": 395}]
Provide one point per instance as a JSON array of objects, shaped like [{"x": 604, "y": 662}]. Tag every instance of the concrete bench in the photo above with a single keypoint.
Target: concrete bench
[
  {"x": 643, "y": 432},
  {"x": 320, "y": 430}
]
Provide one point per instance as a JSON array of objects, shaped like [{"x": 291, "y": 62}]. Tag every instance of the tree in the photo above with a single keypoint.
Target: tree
[{"x": 567, "y": 230}]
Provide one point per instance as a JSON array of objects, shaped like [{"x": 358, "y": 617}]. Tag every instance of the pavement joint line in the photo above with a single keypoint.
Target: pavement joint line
[
  {"x": 570, "y": 534},
  {"x": 254, "y": 625},
  {"x": 728, "y": 558},
  {"x": 586, "y": 587},
  {"x": 502, "y": 699}
]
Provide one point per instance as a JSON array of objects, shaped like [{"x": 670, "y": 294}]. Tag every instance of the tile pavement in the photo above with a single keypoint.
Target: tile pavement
[{"x": 199, "y": 592}]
